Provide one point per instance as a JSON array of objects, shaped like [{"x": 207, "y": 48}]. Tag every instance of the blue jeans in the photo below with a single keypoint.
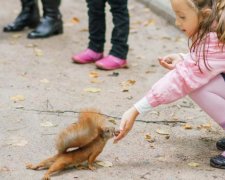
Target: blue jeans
[{"x": 97, "y": 26}]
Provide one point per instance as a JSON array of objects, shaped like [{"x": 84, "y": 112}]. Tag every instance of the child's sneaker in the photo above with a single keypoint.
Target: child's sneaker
[
  {"x": 87, "y": 56},
  {"x": 111, "y": 62}
]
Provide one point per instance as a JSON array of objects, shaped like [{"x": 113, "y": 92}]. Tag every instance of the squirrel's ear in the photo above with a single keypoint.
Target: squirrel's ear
[{"x": 101, "y": 131}]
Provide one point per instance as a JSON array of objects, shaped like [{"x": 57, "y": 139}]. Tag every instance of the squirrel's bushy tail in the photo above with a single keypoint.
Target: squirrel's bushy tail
[{"x": 79, "y": 134}]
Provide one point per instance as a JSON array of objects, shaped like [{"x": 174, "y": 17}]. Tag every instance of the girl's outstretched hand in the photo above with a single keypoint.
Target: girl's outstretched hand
[
  {"x": 126, "y": 124},
  {"x": 169, "y": 61}
]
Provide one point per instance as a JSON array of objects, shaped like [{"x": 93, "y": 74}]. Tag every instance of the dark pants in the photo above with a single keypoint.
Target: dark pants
[
  {"x": 223, "y": 74},
  {"x": 97, "y": 26}
]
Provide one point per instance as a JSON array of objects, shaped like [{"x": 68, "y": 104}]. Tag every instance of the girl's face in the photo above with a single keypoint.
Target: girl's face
[{"x": 186, "y": 17}]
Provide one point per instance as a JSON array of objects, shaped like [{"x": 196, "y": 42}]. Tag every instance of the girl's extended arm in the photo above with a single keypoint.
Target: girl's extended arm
[{"x": 183, "y": 79}]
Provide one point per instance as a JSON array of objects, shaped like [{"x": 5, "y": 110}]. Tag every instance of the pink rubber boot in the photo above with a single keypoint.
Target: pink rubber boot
[
  {"x": 111, "y": 62},
  {"x": 87, "y": 56}
]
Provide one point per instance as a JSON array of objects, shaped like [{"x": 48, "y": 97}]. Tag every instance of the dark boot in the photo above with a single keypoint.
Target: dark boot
[
  {"x": 28, "y": 17},
  {"x": 218, "y": 162},
  {"x": 221, "y": 144},
  {"x": 51, "y": 23}
]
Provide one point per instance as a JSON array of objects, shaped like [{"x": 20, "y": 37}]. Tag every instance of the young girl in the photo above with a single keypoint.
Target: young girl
[
  {"x": 198, "y": 74},
  {"x": 97, "y": 27}
]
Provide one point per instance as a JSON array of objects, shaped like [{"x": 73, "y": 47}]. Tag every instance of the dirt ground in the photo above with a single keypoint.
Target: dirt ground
[{"x": 41, "y": 92}]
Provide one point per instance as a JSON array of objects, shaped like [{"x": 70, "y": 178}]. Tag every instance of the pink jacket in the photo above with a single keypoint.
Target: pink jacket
[{"x": 186, "y": 77}]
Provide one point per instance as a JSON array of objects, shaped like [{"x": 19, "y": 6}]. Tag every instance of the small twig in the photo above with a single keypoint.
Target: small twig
[{"x": 115, "y": 117}]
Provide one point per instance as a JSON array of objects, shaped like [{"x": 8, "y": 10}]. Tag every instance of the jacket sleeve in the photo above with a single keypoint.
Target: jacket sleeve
[{"x": 187, "y": 76}]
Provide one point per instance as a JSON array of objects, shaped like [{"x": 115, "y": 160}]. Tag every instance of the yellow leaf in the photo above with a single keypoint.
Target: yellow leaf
[
  {"x": 187, "y": 126},
  {"x": 126, "y": 84},
  {"x": 193, "y": 164},
  {"x": 93, "y": 74},
  {"x": 94, "y": 80},
  {"x": 75, "y": 20},
  {"x": 17, "y": 141},
  {"x": 92, "y": 90},
  {"x": 162, "y": 132},
  {"x": 17, "y": 36},
  {"x": 104, "y": 163},
  {"x": 17, "y": 98},
  {"x": 112, "y": 120},
  {"x": 38, "y": 52},
  {"x": 47, "y": 124},
  {"x": 206, "y": 126},
  {"x": 149, "y": 138},
  {"x": 149, "y": 22}
]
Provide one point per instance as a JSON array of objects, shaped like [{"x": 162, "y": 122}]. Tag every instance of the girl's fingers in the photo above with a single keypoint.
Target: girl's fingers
[
  {"x": 120, "y": 136},
  {"x": 165, "y": 65}
]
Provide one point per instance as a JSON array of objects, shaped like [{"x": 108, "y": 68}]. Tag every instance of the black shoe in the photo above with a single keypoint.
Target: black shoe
[
  {"x": 218, "y": 162},
  {"x": 221, "y": 144},
  {"x": 28, "y": 17},
  {"x": 47, "y": 27},
  {"x": 51, "y": 23}
]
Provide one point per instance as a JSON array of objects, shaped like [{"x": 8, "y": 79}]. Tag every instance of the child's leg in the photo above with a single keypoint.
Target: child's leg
[
  {"x": 97, "y": 25},
  {"x": 211, "y": 98},
  {"x": 120, "y": 32}
]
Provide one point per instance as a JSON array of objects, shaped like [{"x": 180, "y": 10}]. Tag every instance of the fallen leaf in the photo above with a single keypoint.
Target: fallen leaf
[
  {"x": 126, "y": 85},
  {"x": 75, "y": 20},
  {"x": 162, "y": 132},
  {"x": 104, "y": 163},
  {"x": 92, "y": 90},
  {"x": 162, "y": 158},
  {"x": 134, "y": 64},
  {"x": 16, "y": 36},
  {"x": 206, "y": 126},
  {"x": 112, "y": 120},
  {"x": 149, "y": 138},
  {"x": 47, "y": 124},
  {"x": 17, "y": 141},
  {"x": 94, "y": 74},
  {"x": 155, "y": 112},
  {"x": 149, "y": 22},
  {"x": 17, "y": 98},
  {"x": 187, "y": 126},
  {"x": 94, "y": 80},
  {"x": 38, "y": 52},
  {"x": 193, "y": 164}
]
